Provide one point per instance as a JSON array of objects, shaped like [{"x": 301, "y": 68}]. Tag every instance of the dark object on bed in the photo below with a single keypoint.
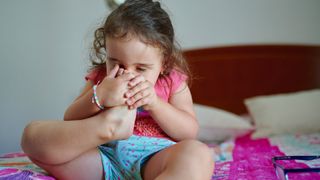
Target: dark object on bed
[
  {"x": 283, "y": 172},
  {"x": 225, "y": 76}
]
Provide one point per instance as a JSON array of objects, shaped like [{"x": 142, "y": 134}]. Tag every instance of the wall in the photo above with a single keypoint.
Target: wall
[
  {"x": 217, "y": 22},
  {"x": 43, "y": 52},
  {"x": 44, "y": 45}
]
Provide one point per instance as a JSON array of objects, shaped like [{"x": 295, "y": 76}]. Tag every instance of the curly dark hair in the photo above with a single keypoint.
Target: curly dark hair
[{"x": 146, "y": 20}]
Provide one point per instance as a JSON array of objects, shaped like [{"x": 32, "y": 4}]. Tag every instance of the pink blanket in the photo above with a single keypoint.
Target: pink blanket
[{"x": 251, "y": 159}]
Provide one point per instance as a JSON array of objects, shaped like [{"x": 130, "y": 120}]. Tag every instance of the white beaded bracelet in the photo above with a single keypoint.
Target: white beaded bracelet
[{"x": 95, "y": 99}]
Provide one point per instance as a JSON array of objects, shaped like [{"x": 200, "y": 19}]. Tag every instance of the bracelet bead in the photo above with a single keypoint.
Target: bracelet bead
[{"x": 95, "y": 99}]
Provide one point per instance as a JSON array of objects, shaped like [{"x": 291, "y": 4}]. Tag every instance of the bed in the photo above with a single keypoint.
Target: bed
[
  {"x": 264, "y": 89},
  {"x": 229, "y": 83}
]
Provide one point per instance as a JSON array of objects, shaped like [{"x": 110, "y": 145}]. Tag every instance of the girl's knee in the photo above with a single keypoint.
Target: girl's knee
[
  {"x": 31, "y": 147},
  {"x": 28, "y": 137},
  {"x": 198, "y": 152},
  {"x": 196, "y": 147},
  {"x": 199, "y": 158}
]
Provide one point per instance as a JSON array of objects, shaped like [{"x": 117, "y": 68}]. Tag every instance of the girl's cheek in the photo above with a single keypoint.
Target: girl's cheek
[
  {"x": 153, "y": 80},
  {"x": 109, "y": 66}
]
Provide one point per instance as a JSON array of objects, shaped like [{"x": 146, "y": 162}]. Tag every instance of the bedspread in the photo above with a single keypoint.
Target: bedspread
[
  {"x": 18, "y": 166},
  {"x": 251, "y": 159},
  {"x": 241, "y": 158}
]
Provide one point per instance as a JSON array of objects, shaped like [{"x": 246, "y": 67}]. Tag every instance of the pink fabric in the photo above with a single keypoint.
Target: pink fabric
[
  {"x": 164, "y": 87},
  {"x": 252, "y": 160},
  {"x": 96, "y": 75},
  {"x": 146, "y": 126},
  {"x": 18, "y": 166},
  {"x": 221, "y": 170}
]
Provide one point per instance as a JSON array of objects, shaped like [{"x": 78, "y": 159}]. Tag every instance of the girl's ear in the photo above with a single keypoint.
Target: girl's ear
[{"x": 162, "y": 69}]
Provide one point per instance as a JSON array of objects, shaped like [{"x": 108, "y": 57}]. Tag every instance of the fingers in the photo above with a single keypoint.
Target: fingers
[
  {"x": 120, "y": 72},
  {"x": 126, "y": 75},
  {"x": 141, "y": 102},
  {"x": 138, "y": 79},
  {"x": 139, "y": 92},
  {"x": 134, "y": 91},
  {"x": 113, "y": 72}
]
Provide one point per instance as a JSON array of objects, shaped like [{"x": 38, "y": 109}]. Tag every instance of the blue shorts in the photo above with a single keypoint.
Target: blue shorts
[{"x": 123, "y": 159}]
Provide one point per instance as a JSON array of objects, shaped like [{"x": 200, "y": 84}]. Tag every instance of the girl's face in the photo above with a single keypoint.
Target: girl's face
[{"x": 135, "y": 56}]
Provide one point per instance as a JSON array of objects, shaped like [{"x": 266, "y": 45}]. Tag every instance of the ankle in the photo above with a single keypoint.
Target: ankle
[{"x": 107, "y": 127}]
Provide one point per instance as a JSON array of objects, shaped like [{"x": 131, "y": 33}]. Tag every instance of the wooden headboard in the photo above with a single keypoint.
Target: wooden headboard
[{"x": 225, "y": 76}]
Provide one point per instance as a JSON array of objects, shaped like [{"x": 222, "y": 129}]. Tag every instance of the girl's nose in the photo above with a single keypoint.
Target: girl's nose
[
  {"x": 122, "y": 66},
  {"x": 129, "y": 70}
]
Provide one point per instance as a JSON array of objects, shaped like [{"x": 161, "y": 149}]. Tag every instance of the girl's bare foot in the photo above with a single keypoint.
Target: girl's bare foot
[{"x": 118, "y": 122}]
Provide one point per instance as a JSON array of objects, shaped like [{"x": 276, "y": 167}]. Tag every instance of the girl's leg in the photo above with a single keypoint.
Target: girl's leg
[
  {"x": 86, "y": 166},
  {"x": 187, "y": 159},
  {"x": 58, "y": 142}
]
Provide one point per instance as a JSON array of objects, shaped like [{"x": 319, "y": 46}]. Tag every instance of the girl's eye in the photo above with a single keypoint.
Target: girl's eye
[
  {"x": 141, "y": 69},
  {"x": 112, "y": 62}
]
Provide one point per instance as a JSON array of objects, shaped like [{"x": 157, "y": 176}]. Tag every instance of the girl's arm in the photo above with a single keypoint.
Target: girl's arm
[
  {"x": 176, "y": 117},
  {"x": 82, "y": 107},
  {"x": 110, "y": 93}
]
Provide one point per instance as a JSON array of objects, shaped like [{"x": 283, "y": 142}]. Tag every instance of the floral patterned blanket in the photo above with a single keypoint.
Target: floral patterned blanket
[{"x": 241, "y": 158}]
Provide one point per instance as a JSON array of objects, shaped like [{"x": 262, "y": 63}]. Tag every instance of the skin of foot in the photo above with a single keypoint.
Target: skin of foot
[{"x": 118, "y": 122}]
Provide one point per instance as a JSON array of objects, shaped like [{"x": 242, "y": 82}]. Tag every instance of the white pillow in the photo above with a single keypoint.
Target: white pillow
[
  {"x": 217, "y": 125},
  {"x": 297, "y": 112}
]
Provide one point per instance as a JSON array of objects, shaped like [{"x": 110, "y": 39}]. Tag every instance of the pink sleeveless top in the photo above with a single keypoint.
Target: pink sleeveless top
[{"x": 164, "y": 87}]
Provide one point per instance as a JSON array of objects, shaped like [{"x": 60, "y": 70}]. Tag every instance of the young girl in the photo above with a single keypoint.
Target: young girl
[{"x": 134, "y": 118}]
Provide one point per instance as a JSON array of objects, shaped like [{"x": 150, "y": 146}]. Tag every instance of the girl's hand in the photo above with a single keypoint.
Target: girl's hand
[
  {"x": 141, "y": 93},
  {"x": 112, "y": 88}
]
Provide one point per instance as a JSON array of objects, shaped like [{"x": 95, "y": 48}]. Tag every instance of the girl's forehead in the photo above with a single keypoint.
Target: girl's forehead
[{"x": 132, "y": 49}]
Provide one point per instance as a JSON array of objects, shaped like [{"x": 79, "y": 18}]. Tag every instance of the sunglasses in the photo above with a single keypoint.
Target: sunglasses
[{"x": 282, "y": 172}]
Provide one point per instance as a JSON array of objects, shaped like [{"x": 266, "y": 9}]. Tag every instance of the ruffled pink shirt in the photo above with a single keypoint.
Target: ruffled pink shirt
[{"x": 145, "y": 125}]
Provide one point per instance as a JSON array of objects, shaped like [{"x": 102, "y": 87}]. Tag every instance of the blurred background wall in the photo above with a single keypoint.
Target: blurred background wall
[{"x": 44, "y": 45}]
